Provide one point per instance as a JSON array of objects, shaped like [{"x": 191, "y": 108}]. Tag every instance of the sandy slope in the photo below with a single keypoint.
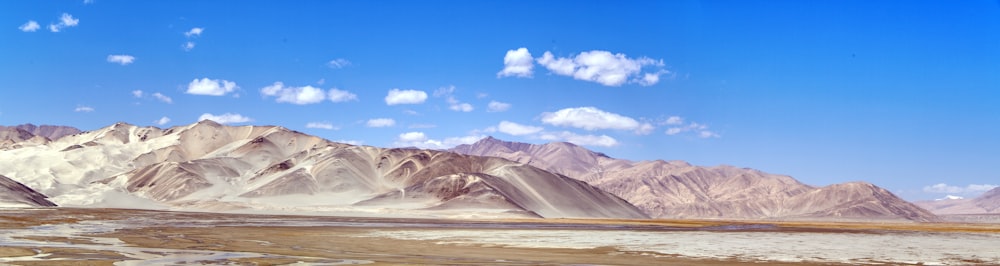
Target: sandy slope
[{"x": 211, "y": 167}]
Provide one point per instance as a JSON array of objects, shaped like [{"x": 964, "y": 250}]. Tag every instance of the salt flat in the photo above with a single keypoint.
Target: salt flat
[{"x": 141, "y": 237}]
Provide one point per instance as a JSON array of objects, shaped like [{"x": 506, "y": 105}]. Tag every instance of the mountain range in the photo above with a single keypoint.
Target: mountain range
[
  {"x": 207, "y": 166},
  {"x": 987, "y": 203},
  {"x": 211, "y": 167},
  {"x": 676, "y": 189}
]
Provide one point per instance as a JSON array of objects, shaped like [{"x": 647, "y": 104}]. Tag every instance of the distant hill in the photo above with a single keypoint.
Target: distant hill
[
  {"x": 987, "y": 203},
  {"x": 676, "y": 189},
  {"x": 48, "y": 131}
]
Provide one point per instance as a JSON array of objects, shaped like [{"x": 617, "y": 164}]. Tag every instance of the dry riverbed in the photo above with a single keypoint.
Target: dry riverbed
[{"x": 139, "y": 237}]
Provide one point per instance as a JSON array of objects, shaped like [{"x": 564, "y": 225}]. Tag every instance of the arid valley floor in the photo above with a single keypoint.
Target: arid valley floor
[{"x": 66, "y": 236}]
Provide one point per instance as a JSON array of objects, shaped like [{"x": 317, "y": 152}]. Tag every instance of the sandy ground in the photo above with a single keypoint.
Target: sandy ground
[{"x": 135, "y": 237}]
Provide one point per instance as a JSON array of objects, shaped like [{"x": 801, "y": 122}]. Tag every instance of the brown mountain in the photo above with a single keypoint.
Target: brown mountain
[
  {"x": 987, "y": 203},
  {"x": 13, "y": 193},
  {"x": 208, "y": 166},
  {"x": 48, "y": 131},
  {"x": 676, "y": 189}
]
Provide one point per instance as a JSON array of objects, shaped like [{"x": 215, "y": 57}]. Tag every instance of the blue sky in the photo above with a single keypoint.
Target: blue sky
[{"x": 903, "y": 96}]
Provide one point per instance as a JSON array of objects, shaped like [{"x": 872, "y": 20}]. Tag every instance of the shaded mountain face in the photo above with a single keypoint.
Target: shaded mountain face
[
  {"x": 48, "y": 131},
  {"x": 208, "y": 166},
  {"x": 987, "y": 203},
  {"x": 676, "y": 189},
  {"x": 16, "y": 194}
]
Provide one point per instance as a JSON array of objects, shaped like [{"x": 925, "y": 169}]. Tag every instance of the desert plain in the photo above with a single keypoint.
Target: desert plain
[{"x": 80, "y": 236}]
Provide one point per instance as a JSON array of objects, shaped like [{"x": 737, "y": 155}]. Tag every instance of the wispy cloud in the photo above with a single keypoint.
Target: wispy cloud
[
  {"x": 227, "y": 118},
  {"x": 83, "y": 108},
  {"x": 321, "y": 125},
  {"x": 30, "y": 26},
  {"x": 678, "y": 126},
  {"x": 453, "y": 103},
  {"x": 338, "y": 63},
  {"x": 212, "y": 87},
  {"x": 163, "y": 98},
  {"x": 194, "y": 32},
  {"x": 65, "y": 21},
  {"x": 337, "y": 96},
  {"x": 162, "y": 121},
  {"x": 495, "y": 106},
  {"x": 381, "y": 122},
  {"x": 517, "y": 63},
  {"x": 122, "y": 59},
  {"x": 968, "y": 190},
  {"x": 397, "y": 96}
]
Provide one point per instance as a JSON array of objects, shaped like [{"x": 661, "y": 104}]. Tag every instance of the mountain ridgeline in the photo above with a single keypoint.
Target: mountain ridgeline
[
  {"x": 207, "y": 166},
  {"x": 211, "y": 167},
  {"x": 676, "y": 189}
]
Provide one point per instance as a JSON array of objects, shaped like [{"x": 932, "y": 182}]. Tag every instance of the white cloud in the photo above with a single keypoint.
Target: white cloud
[
  {"x": 321, "y": 125},
  {"x": 414, "y": 136},
  {"x": 674, "y": 120},
  {"x": 420, "y": 140},
  {"x": 137, "y": 93},
  {"x": 338, "y": 63},
  {"x": 971, "y": 189},
  {"x": 602, "y": 67},
  {"x": 516, "y": 129},
  {"x": 30, "y": 26},
  {"x": 194, "y": 32},
  {"x": 87, "y": 2},
  {"x": 188, "y": 46},
  {"x": 381, "y": 122},
  {"x": 83, "y": 108},
  {"x": 227, "y": 118},
  {"x": 321, "y": 81},
  {"x": 495, "y": 106},
  {"x": 122, "y": 59},
  {"x": 591, "y": 118},
  {"x": 337, "y": 96},
  {"x": 462, "y": 107},
  {"x": 644, "y": 129},
  {"x": 294, "y": 95},
  {"x": 65, "y": 21},
  {"x": 163, "y": 98},
  {"x": 422, "y": 126},
  {"x": 584, "y": 140},
  {"x": 701, "y": 130},
  {"x": 517, "y": 63},
  {"x": 213, "y": 87},
  {"x": 351, "y": 142},
  {"x": 397, "y": 96},
  {"x": 162, "y": 121},
  {"x": 650, "y": 79},
  {"x": 707, "y": 134}
]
